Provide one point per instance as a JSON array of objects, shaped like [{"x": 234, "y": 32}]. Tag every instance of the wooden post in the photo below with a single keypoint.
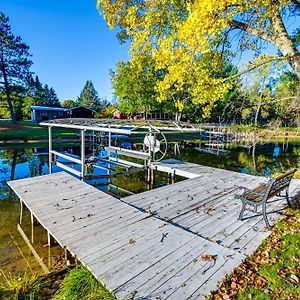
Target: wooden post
[
  {"x": 173, "y": 177},
  {"x": 93, "y": 142},
  {"x": 50, "y": 239},
  {"x": 50, "y": 148},
  {"x": 152, "y": 178},
  {"x": 82, "y": 154},
  {"x": 21, "y": 211},
  {"x": 32, "y": 225}
]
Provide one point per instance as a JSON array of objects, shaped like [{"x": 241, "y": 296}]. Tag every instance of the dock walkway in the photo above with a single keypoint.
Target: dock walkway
[
  {"x": 135, "y": 256},
  {"x": 176, "y": 242},
  {"x": 205, "y": 204}
]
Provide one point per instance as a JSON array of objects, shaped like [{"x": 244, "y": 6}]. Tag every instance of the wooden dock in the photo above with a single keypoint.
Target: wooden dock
[{"x": 176, "y": 242}]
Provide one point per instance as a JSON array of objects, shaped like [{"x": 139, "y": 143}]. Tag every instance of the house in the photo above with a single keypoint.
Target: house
[
  {"x": 44, "y": 113},
  {"x": 117, "y": 115},
  {"x": 81, "y": 112},
  {"x": 155, "y": 114}
]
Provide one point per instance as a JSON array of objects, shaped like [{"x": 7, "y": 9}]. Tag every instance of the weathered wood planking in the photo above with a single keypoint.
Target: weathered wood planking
[
  {"x": 135, "y": 250},
  {"x": 125, "y": 248},
  {"x": 205, "y": 204},
  {"x": 189, "y": 170}
]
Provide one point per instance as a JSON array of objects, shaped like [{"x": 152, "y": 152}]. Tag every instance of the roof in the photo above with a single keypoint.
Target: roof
[
  {"x": 80, "y": 106},
  {"x": 48, "y": 108},
  {"x": 120, "y": 126}
]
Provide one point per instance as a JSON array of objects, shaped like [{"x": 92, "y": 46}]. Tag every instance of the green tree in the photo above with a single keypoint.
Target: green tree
[
  {"x": 287, "y": 98},
  {"x": 33, "y": 95},
  {"x": 17, "y": 98},
  {"x": 50, "y": 98},
  {"x": 259, "y": 95},
  {"x": 69, "y": 103},
  {"x": 38, "y": 94},
  {"x": 135, "y": 91},
  {"x": 89, "y": 96},
  {"x": 14, "y": 62}
]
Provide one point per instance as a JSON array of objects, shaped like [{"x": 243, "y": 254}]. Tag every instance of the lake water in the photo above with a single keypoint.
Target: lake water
[{"x": 25, "y": 161}]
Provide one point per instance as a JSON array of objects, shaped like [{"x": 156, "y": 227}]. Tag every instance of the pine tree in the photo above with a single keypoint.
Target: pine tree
[
  {"x": 50, "y": 98},
  {"x": 37, "y": 94},
  {"x": 14, "y": 62},
  {"x": 89, "y": 96}
]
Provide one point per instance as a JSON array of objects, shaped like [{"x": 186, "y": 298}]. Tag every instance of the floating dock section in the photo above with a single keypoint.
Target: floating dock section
[{"x": 176, "y": 242}]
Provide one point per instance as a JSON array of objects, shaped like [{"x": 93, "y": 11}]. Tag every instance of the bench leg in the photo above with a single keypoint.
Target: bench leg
[
  {"x": 287, "y": 196},
  {"x": 242, "y": 211},
  {"x": 264, "y": 212}
]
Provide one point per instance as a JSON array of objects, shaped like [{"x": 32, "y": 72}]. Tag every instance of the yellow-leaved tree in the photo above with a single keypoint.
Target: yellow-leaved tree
[{"x": 188, "y": 40}]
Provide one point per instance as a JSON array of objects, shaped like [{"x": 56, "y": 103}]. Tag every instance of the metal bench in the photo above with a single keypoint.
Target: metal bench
[{"x": 263, "y": 192}]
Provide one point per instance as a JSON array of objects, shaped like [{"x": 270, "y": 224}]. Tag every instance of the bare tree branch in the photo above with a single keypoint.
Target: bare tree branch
[
  {"x": 260, "y": 33},
  {"x": 253, "y": 67},
  {"x": 297, "y": 3}
]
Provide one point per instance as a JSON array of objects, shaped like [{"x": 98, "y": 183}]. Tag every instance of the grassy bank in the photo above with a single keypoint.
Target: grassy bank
[
  {"x": 69, "y": 284},
  {"x": 26, "y": 130},
  {"x": 273, "y": 271}
]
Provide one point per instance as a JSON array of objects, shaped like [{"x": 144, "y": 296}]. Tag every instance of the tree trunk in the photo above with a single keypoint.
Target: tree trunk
[
  {"x": 284, "y": 43},
  {"x": 7, "y": 92},
  {"x": 279, "y": 37},
  {"x": 257, "y": 112}
]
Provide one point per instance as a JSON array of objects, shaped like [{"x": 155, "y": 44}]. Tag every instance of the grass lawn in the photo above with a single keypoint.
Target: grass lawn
[
  {"x": 273, "y": 271},
  {"x": 26, "y": 130}
]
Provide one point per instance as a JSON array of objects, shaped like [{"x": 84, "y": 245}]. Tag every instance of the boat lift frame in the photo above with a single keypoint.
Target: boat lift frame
[{"x": 124, "y": 127}]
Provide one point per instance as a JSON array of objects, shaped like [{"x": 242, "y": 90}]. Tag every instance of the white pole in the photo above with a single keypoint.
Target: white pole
[
  {"x": 50, "y": 149},
  {"x": 82, "y": 153},
  {"x": 108, "y": 154}
]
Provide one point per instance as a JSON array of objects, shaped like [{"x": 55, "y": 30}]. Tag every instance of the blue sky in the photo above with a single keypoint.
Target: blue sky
[{"x": 69, "y": 41}]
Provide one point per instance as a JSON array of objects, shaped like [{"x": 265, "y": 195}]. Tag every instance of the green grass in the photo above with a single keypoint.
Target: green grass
[
  {"x": 31, "y": 287},
  {"x": 281, "y": 272},
  {"x": 26, "y": 130},
  {"x": 273, "y": 271},
  {"x": 81, "y": 284},
  {"x": 253, "y": 294}
]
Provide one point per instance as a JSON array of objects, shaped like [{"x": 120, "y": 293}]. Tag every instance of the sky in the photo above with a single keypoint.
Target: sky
[{"x": 69, "y": 41}]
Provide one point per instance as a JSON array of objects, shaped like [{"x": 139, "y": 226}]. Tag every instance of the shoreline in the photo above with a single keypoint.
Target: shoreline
[{"x": 35, "y": 141}]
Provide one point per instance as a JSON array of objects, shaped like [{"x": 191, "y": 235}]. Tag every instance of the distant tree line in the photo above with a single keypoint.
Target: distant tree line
[{"x": 262, "y": 96}]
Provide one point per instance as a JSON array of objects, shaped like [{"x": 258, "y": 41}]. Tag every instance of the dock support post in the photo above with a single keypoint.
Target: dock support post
[
  {"x": 50, "y": 148},
  {"x": 32, "y": 225},
  {"x": 108, "y": 154},
  {"x": 152, "y": 178},
  {"x": 50, "y": 239},
  {"x": 82, "y": 154},
  {"x": 21, "y": 212},
  {"x": 173, "y": 177}
]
